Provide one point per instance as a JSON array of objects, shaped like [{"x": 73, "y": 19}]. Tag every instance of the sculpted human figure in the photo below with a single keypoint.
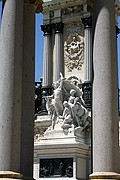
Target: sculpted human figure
[
  {"x": 54, "y": 103},
  {"x": 72, "y": 101},
  {"x": 50, "y": 106},
  {"x": 58, "y": 96},
  {"x": 65, "y": 106},
  {"x": 78, "y": 111},
  {"x": 72, "y": 96},
  {"x": 67, "y": 116}
]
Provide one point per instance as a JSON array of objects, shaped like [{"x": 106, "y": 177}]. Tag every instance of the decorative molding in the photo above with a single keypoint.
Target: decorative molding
[
  {"x": 36, "y": 3},
  {"x": 51, "y": 14},
  {"x": 51, "y": 5},
  {"x": 117, "y": 8},
  {"x": 74, "y": 46},
  {"x": 72, "y": 10},
  {"x": 10, "y": 175}
]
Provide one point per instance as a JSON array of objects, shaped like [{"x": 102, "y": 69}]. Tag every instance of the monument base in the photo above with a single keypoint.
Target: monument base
[{"x": 57, "y": 148}]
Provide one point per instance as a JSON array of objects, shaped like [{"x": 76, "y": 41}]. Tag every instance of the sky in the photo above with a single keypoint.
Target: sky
[{"x": 39, "y": 41}]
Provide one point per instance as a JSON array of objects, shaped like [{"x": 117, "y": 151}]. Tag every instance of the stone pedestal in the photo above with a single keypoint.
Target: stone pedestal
[
  {"x": 62, "y": 149},
  {"x": 105, "y": 90},
  {"x": 11, "y": 37}
]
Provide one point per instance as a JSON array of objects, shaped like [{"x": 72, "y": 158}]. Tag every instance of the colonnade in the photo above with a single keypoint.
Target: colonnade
[
  {"x": 17, "y": 44},
  {"x": 53, "y": 64},
  {"x": 101, "y": 71},
  {"x": 17, "y": 85},
  {"x": 48, "y": 69}
]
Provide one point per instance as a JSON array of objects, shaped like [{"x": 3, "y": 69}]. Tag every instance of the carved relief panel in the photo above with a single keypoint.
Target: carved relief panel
[{"x": 74, "y": 46}]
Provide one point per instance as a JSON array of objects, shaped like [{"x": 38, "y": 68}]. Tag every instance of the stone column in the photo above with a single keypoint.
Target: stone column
[
  {"x": 28, "y": 90},
  {"x": 47, "y": 57},
  {"x": 59, "y": 51},
  {"x": 47, "y": 66},
  {"x": 87, "y": 86},
  {"x": 88, "y": 48},
  {"x": 11, "y": 37},
  {"x": 105, "y": 92}
]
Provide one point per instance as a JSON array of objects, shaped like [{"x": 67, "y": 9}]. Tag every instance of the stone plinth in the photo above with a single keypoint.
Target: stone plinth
[
  {"x": 43, "y": 121},
  {"x": 78, "y": 152},
  {"x": 10, "y": 175},
  {"x": 104, "y": 175}
]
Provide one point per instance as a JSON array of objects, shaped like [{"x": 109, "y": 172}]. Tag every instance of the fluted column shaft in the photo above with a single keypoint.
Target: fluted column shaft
[
  {"x": 88, "y": 48},
  {"x": 47, "y": 57},
  {"x": 11, "y": 37},
  {"x": 105, "y": 89},
  {"x": 59, "y": 51},
  {"x": 27, "y": 126}
]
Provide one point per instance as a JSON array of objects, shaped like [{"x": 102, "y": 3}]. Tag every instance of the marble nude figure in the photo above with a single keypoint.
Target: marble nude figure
[{"x": 65, "y": 106}]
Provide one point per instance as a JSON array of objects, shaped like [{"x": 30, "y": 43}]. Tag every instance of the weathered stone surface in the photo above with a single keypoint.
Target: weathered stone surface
[
  {"x": 28, "y": 64},
  {"x": 11, "y": 81},
  {"x": 105, "y": 89}
]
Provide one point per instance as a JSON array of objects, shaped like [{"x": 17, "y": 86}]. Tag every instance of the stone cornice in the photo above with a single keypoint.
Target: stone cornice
[
  {"x": 37, "y": 3},
  {"x": 51, "y": 5}
]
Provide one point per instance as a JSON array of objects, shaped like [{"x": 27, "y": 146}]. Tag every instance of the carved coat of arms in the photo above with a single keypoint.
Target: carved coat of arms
[{"x": 74, "y": 50}]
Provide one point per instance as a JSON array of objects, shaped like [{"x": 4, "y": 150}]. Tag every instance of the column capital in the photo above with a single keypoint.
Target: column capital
[
  {"x": 47, "y": 29},
  {"x": 36, "y": 3},
  {"x": 87, "y": 21},
  {"x": 58, "y": 27}
]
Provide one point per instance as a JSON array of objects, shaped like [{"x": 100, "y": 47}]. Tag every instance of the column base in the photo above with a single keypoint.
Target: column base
[
  {"x": 104, "y": 175},
  {"x": 10, "y": 175}
]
